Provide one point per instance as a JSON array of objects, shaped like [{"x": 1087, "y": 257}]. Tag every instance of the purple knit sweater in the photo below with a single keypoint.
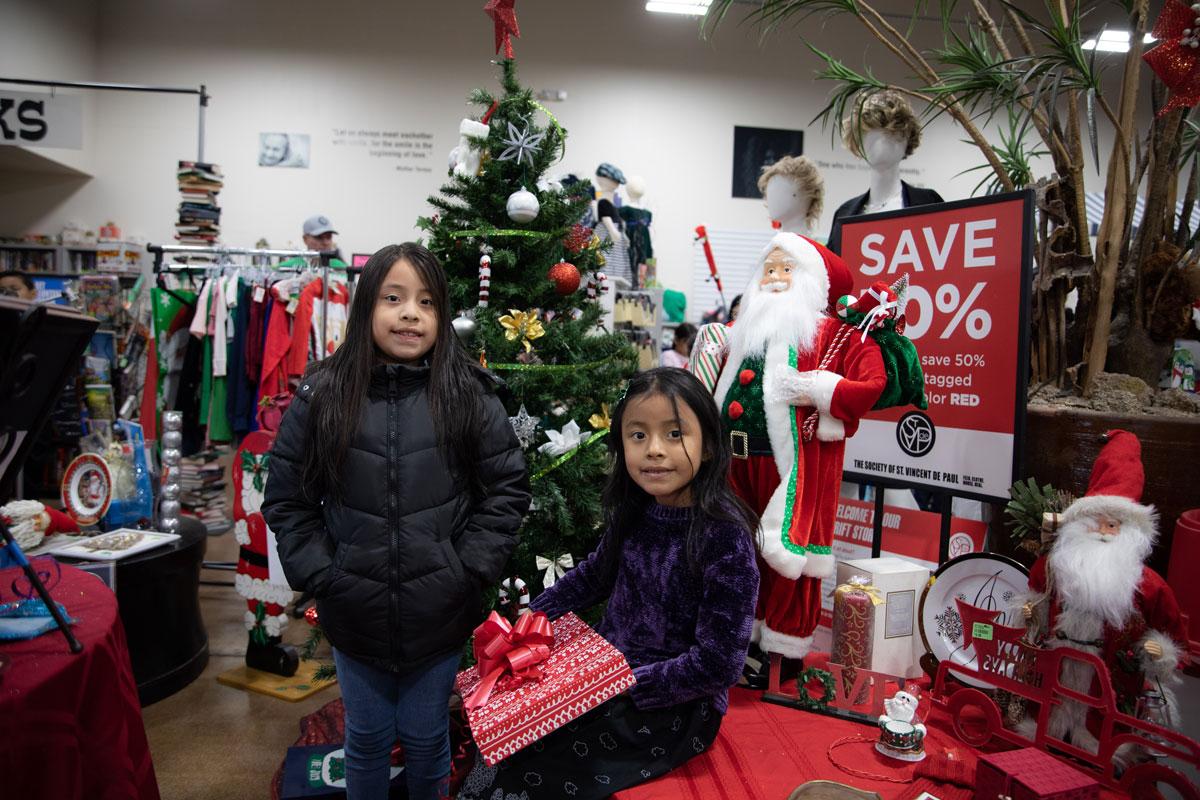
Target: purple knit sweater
[{"x": 684, "y": 629}]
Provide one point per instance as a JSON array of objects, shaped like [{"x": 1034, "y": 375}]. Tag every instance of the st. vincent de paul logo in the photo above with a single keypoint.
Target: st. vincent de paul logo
[{"x": 915, "y": 434}]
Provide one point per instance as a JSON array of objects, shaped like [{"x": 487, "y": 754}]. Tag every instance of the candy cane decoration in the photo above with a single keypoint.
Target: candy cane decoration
[
  {"x": 597, "y": 284},
  {"x": 514, "y": 586},
  {"x": 485, "y": 279}
]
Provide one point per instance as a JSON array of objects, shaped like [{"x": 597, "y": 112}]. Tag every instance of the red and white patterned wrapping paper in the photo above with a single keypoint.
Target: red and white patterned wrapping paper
[{"x": 582, "y": 672}]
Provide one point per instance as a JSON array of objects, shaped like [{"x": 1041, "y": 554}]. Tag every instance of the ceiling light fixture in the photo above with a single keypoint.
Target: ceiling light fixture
[
  {"x": 689, "y": 8},
  {"x": 1113, "y": 42}
]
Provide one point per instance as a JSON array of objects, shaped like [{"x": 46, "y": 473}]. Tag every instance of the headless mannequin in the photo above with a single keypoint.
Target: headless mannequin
[
  {"x": 788, "y": 205},
  {"x": 884, "y": 150}
]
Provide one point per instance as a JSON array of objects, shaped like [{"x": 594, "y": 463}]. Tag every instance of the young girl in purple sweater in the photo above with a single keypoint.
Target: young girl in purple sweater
[{"x": 677, "y": 567}]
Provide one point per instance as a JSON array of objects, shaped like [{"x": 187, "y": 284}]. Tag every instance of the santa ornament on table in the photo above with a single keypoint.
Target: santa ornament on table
[
  {"x": 1092, "y": 592},
  {"x": 791, "y": 383}
]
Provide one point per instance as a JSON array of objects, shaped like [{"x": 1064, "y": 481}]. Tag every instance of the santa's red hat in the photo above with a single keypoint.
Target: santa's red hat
[
  {"x": 1115, "y": 489},
  {"x": 835, "y": 275}
]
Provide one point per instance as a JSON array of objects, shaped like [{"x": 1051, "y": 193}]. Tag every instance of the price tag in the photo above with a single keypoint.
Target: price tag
[
  {"x": 259, "y": 293},
  {"x": 981, "y": 630},
  {"x": 291, "y": 307}
]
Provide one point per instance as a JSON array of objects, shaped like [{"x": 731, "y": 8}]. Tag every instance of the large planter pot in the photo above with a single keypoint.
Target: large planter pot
[{"x": 1061, "y": 444}]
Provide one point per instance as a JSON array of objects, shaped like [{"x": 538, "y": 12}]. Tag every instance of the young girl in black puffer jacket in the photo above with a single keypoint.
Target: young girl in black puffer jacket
[{"x": 395, "y": 491}]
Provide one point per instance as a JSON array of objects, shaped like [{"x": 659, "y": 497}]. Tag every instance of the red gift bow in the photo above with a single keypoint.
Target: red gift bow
[
  {"x": 503, "y": 648},
  {"x": 1176, "y": 59}
]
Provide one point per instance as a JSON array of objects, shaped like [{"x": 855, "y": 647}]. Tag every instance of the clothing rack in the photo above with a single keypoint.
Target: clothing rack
[
  {"x": 160, "y": 251},
  {"x": 161, "y": 265}
]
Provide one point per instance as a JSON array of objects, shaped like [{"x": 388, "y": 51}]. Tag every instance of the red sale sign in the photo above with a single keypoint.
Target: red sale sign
[{"x": 968, "y": 270}]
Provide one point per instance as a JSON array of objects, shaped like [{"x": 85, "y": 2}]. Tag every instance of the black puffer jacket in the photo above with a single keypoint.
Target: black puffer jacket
[{"x": 398, "y": 566}]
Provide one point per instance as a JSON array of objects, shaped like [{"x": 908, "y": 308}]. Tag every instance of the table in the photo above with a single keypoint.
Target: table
[
  {"x": 158, "y": 593},
  {"x": 71, "y": 725}
]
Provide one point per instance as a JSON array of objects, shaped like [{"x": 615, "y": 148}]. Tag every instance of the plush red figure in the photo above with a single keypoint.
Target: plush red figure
[
  {"x": 1092, "y": 592},
  {"x": 265, "y": 600}
]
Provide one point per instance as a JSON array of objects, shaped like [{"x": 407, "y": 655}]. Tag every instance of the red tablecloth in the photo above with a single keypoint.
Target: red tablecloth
[{"x": 70, "y": 725}]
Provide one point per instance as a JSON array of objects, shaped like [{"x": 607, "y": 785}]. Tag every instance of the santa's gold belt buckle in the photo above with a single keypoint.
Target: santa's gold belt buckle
[{"x": 739, "y": 443}]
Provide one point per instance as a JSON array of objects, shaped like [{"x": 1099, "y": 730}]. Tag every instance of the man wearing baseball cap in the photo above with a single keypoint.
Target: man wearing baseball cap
[{"x": 319, "y": 233}]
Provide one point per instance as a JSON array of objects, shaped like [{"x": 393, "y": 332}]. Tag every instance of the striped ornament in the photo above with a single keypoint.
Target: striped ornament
[{"x": 485, "y": 279}]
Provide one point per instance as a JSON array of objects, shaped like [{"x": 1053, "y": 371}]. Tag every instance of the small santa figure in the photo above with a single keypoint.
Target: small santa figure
[
  {"x": 791, "y": 382},
  {"x": 1092, "y": 592},
  {"x": 265, "y": 599}
]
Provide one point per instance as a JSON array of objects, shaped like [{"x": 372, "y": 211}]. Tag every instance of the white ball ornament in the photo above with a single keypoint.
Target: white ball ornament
[{"x": 523, "y": 206}]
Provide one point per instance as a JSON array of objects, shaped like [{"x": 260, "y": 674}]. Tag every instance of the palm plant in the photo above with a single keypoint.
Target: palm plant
[{"x": 1031, "y": 71}]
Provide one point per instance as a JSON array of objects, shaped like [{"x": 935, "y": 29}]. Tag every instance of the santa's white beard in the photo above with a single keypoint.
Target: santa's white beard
[
  {"x": 790, "y": 317},
  {"x": 1095, "y": 576},
  {"x": 252, "y": 499}
]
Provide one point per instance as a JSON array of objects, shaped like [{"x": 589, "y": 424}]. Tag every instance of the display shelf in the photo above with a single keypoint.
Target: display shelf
[{"x": 72, "y": 260}]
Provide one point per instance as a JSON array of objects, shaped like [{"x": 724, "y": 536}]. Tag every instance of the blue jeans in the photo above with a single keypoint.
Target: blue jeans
[{"x": 382, "y": 706}]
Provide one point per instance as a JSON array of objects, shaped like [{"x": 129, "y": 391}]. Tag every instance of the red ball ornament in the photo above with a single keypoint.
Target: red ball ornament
[
  {"x": 735, "y": 410},
  {"x": 310, "y": 615},
  {"x": 745, "y": 376},
  {"x": 565, "y": 276}
]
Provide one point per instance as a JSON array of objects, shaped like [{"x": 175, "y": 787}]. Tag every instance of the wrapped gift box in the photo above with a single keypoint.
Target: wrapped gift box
[
  {"x": 582, "y": 671},
  {"x": 1029, "y": 773},
  {"x": 898, "y": 583}
]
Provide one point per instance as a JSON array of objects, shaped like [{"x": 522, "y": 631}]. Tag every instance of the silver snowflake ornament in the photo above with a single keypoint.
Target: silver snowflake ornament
[
  {"x": 520, "y": 144},
  {"x": 524, "y": 426}
]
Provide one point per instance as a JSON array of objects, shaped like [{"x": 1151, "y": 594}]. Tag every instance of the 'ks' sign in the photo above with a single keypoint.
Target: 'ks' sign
[{"x": 41, "y": 120}]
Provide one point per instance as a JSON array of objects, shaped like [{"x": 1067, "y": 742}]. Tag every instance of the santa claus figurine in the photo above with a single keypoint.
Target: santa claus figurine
[
  {"x": 791, "y": 382},
  {"x": 1092, "y": 592},
  {"x": 265, "y": 599}
]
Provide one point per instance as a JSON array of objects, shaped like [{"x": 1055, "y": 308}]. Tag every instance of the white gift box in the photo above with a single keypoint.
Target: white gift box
[{"x": 896, "y": 641}]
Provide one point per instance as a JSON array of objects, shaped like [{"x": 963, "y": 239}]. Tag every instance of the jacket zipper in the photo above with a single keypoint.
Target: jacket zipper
[{"x": 393, "y": 524}]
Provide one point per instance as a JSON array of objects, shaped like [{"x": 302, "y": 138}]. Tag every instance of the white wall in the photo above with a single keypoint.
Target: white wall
[{"x": 644, "y": 93}]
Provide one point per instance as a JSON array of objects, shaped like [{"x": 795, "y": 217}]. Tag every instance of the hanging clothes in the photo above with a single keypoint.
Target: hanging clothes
[{"x": 241, "y": 397}]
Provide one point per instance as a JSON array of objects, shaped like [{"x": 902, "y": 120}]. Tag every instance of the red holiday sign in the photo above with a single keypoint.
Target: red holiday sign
[{"x": 968, "y": 268}]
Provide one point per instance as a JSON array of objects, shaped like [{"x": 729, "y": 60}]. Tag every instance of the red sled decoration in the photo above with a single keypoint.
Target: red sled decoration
[
  {"x": 1009, "y": 663},
  {"x": 581, "y": 671},
  {"x": 1028, "y": 774}
]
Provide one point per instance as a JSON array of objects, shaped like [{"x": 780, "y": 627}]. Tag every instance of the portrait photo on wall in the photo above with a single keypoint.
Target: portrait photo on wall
[
  {"x": 755, "y": 148},
  {"x": 283, "y": 150}
]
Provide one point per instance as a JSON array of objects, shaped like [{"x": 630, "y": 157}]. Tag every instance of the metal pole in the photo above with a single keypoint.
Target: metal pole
[
  {"x": 182, "y": 249},
  {"x": 877, "y": 523},
  {"x": 112, "y": 87},
  {"x": 203, "y": 105},
  {"x": 324, "y": 305}
]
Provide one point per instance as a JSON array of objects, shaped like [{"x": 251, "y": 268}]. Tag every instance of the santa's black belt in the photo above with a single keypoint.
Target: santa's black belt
[
  {"x": 744, "y": 445},
  {"x": 252, "y": 558}
]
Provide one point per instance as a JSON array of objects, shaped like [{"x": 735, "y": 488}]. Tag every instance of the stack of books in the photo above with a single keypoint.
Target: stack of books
[
  {"x": 202, "y": 490},
  {"x": 199, "y": 215}
]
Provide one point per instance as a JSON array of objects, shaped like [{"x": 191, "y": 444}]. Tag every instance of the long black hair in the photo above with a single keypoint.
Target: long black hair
[
  {"x": 712, "y": 499},
  {"x": 342, "y": 379}
]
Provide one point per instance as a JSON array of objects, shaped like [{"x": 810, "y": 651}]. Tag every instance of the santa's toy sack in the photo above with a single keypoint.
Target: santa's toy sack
[{"x": 879, "y": 313}]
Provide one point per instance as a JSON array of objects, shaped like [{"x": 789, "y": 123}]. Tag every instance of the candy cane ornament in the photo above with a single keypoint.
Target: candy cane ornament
[{"x": 485, "y": 279}]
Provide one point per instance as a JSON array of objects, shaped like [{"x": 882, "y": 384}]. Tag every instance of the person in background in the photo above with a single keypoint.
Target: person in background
[
  {"x": 734, "y": 307},
  {"x": 677, "y": 355},
  {"x": 318, "y": 235},
  {"x": 18, "y": 284}
]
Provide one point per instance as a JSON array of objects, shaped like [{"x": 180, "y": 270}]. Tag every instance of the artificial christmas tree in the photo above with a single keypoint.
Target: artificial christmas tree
[{"x": 502, "y": 232}]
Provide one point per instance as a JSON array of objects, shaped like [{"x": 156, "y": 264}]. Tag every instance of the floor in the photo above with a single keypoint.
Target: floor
[{"x": 212, "y": 741}]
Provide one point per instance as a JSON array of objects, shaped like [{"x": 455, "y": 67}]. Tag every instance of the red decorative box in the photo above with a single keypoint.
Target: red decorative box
[
  {"x": 1029, "y": 773},
  {"x": 582, "y": 671}
]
